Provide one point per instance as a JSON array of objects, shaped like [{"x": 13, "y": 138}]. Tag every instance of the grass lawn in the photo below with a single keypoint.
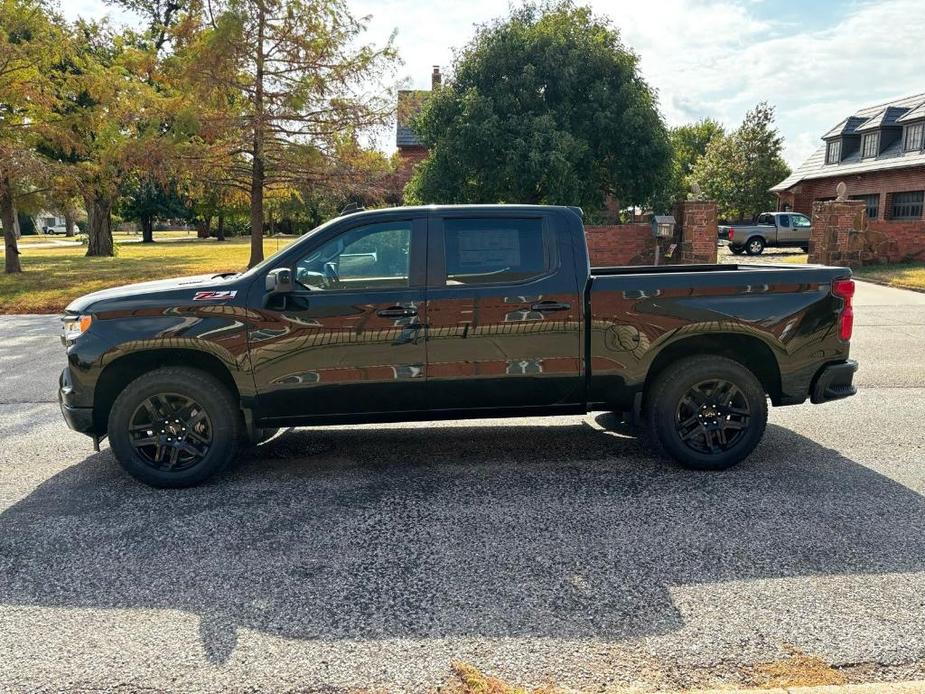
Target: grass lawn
[
  {"x": 904, "y": 276},
  {"x": 52, "y": 277}
]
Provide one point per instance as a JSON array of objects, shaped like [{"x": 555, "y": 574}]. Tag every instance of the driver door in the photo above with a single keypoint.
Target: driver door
[{"x": 349, "y": 340}]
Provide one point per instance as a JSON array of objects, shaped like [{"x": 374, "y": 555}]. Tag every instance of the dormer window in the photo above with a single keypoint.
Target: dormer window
[
  {"x": 914, "y": 136},
  {"x": 871, "y": 146},
  {"x": 833, "y": 152}
]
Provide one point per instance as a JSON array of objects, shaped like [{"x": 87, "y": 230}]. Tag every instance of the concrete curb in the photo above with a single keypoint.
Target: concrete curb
[{"x": 887, "y": 284}]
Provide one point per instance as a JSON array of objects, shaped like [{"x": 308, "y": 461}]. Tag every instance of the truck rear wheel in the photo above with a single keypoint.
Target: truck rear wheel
[
  {"x": 174, "y": 427},
  {"x": 707, "y": 412},
  {"x": 737, "y": 250}
]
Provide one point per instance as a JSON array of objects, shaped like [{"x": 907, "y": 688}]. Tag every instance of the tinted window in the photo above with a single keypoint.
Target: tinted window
[
  {"x": 375, "y": 256},
  {"x": 493, "y": 251},
  {"x": 784, "y": 221},
  {"x": 907, "y": 205}
]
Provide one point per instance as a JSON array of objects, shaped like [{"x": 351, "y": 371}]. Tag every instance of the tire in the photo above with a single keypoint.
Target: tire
[
  {"x": 698, "y": 445},
  {"x": 755, "y": 245},
  {"x": 200, "y": 435},
  {"x": 737, "y": 250}
]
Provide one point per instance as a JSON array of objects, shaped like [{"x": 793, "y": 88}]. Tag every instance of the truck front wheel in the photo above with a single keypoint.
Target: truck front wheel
[
  {"x": 174, "y": 427},
  {"x": 707, "y": 412},
  {"x": 755, "y": 245}
]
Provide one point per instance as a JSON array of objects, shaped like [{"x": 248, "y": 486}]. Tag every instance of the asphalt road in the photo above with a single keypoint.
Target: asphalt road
[{"x": 541, "y": 550}]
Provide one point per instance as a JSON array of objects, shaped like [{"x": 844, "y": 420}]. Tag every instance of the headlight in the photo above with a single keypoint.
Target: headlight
[{"x": 76, "y": 326}]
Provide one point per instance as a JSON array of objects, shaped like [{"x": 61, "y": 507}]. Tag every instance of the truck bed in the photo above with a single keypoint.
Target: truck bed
[{"x": 782, "y": 315}]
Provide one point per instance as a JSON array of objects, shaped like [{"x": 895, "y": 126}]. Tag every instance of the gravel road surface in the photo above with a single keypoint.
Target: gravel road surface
[{"x": 539, "y": 550}]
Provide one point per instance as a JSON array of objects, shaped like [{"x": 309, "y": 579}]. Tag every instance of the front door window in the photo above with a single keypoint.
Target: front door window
[{"x": 375, "y": 256}]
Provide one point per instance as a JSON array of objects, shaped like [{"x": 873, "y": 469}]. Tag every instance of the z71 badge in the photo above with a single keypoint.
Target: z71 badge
[{"x": 215, "y": 296}]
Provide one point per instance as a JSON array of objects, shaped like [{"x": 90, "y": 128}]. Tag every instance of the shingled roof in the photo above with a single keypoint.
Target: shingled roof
[
  {"x": 891, "y": 114},
  {"x": 409, "y": 103}
]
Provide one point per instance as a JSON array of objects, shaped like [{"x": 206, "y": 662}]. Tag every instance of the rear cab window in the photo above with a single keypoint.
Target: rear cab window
[{"x": 497, "y": 250}]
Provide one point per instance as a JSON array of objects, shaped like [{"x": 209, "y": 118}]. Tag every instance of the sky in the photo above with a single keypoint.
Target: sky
[{"x": 815, "y": 61}]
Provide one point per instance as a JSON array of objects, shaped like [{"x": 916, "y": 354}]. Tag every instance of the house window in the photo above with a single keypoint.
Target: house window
[
  {"x": 914, "y": 135},
  {"x": 833, "y": 152},
  {"x": 907, "y": 205},
  {"x": 871, "y": 145},
  {"x": 873, "y": 204}
]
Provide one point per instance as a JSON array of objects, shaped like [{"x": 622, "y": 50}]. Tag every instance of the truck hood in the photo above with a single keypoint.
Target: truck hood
[{"x": 141, "y": 289}]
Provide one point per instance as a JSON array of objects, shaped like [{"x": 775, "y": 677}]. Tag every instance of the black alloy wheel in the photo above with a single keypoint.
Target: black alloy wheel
[
  {"x": 175, "y": 427},
  {"x": 171, "y": 432},
  {"x": 708, "y": 412},
  {"x": 712, "y": 416}
]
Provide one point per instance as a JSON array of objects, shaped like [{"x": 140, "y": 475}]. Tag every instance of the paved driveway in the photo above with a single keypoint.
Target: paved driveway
[{"x": 541, "y": 550}]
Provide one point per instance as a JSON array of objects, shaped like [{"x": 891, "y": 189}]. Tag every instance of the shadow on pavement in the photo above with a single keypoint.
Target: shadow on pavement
[{"x": 559, "y": 531}]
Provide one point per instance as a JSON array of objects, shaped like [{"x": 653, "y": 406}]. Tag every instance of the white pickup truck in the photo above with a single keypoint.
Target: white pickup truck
[{"x": 771, "y": 229}]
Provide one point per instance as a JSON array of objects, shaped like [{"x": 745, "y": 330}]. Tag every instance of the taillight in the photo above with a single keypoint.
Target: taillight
[
  {"x": 732, "y": 233},
  {"x": 844, "y": 289}
]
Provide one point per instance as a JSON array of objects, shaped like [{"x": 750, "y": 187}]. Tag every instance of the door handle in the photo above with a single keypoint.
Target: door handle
[
  {"x": 550, "y": 306},
  {"x": 396, "y": 312}
]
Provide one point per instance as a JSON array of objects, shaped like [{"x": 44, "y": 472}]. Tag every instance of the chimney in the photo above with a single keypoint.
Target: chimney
[{"x": 435, "y": 77}]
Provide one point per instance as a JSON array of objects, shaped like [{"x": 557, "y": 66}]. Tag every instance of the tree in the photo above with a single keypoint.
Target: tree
[
  {"x": 145, "y": 199},
  {"x": 29, "y": 42},
  {"x": 296, "y": 76},
  {"x": 160, "y": 15},
  {"x": 688, "y": 143},
  {"x": 110, "y": 122},
  {"x": 739, "y": 169},
  {"x": 546, "y": 106}
]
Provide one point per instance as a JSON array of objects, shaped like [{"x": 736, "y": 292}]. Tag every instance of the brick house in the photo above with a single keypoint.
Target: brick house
[
  {"x": 410, "y": 150},
  {"x": 879, "y": 153}
]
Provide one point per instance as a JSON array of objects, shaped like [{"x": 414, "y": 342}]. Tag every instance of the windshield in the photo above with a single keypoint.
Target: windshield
[{"x": 270, "y": 263}]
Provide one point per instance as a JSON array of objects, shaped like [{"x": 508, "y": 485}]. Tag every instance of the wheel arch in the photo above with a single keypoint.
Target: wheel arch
[
  {"x": 122, "y": 371},
  {"x": 750, "y": 351}
]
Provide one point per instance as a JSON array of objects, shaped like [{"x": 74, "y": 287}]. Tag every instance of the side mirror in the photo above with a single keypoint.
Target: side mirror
[{"x": 279, "y": 281}]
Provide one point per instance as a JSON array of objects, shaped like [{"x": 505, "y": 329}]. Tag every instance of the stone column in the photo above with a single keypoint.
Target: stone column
[
  {"x": 696, "y": 220},
  {"x": 839, "y": 233}
]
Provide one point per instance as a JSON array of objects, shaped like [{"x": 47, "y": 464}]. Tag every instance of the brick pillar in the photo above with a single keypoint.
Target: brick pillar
[
  {"x": 696, "y": 220},
  {"x": 839, "y": 233}
]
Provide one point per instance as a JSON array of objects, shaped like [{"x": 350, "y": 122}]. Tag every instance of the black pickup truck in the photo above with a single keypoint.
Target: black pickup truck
[{"x": 449, "y": 312}]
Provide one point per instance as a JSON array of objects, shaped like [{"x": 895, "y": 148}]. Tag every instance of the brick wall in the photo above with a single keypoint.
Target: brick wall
[
  {"x": 633, "y": 244},
  {"x": 802, "y": 196},
  {"x": 621, "y": 244},
  {"x": 408, "y": 158},
  {"x": 907, "y": 238},
  {"x": 888, "y": 240}
]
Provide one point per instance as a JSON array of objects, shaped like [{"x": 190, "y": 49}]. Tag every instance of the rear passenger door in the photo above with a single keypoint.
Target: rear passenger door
[{"x": 504, "y": 312}]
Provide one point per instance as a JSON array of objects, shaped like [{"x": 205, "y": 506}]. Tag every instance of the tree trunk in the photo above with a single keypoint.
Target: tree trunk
[
  {"x": 257, "y": 165},
  {"x": 99, "y": 225},
  {"x": 68, "y": 221},
  {"x": 8, "y": 217},
  {"x": 220, "y": 230},
  {"x": 147, "y": 230},
  {"x": 204, "y": 227}
]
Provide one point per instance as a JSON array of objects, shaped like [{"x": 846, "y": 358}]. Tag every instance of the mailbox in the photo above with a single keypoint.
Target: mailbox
[{"x": 663, "y": 226}]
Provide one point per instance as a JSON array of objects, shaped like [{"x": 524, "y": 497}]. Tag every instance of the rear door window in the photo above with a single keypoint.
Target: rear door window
[{"x": 502, "y": 250}]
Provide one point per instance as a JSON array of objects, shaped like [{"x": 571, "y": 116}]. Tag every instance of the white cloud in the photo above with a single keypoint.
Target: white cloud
[{"x": 714, "y": 58}]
